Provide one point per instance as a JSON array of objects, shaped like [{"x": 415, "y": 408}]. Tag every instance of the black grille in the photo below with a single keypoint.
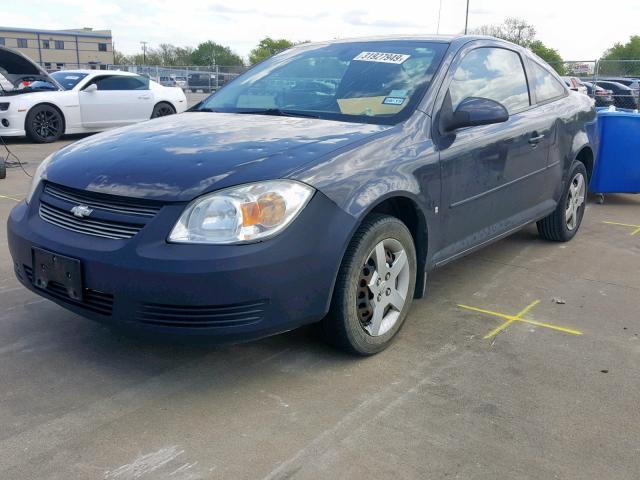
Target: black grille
[
  {"x": 93, "y": 300},
  {"x": 112, "y": 217},
  {"x": 99, "y": 228},
  {"x": 206, "y": 316}
]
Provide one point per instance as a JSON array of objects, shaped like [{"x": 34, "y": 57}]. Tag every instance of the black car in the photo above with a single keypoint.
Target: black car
[
  {"x": 623, "y": 96},
  {"x": 632, "y": 83},
  {"x": 205, "y": 82},
  {"x": 602, "y": 96},
  {"x": 270, "y": 206}
]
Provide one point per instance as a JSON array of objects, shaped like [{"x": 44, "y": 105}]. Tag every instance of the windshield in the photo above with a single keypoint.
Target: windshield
[
  {"x": 68, "y": 80},
  {"x": 371, "y": 82}
]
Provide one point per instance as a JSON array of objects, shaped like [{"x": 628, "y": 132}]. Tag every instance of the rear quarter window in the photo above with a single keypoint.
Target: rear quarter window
[{"x": 545, "y": 85}]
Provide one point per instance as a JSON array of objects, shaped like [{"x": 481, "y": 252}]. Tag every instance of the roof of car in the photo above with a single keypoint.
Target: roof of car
[
  {"x": 97, "y": 72},
  {"x": 617, "y": 84},
  {"x": 416, "y": 37}
]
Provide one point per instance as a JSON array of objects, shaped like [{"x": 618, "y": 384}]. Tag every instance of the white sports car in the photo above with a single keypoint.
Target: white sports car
[{"x": 45, "y": 106}]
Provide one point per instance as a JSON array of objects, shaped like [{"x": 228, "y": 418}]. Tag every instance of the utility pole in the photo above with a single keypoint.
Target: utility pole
[
  {"x": 466, "y": 19},
  {"x": 144, "y": 52}
]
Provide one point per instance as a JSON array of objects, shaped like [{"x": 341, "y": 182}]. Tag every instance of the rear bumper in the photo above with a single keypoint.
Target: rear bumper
[{"x": 234, "y": 292}]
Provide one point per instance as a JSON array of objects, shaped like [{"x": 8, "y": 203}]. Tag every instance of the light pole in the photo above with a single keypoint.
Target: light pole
[
  {"x": 466, "y": 19},
  {"x": 144, "y": 52}
]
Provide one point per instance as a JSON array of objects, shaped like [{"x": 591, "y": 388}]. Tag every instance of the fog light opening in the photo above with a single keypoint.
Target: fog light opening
[{"x": 5, "y": 123}]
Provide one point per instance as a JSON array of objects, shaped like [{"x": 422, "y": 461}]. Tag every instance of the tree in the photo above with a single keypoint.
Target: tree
[
  {"x": 267, "y": 47},
  {"x": 211, "y": 53},
  {"x": 515, "y": 30},
  {"x": 120, "y": 58},
  {"x": 627, "y": 51},
  {"x": 549, "y": 55}
]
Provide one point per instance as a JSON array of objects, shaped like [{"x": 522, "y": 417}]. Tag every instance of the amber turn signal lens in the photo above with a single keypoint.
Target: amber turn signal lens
[{"x": 269, "y": 210}]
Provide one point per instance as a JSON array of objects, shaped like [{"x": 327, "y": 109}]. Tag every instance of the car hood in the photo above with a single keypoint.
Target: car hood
[
  {"x": 179, "y": 157},
  {"x": 16, "y": 68}
]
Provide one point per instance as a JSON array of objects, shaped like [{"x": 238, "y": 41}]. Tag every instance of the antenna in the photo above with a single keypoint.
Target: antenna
[{"x": 466, "y": 19}]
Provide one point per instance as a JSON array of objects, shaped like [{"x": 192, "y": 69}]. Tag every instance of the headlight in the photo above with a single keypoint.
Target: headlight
[
  {"x": 241, "y": 214},
  {"x": 38, "y": 176}
]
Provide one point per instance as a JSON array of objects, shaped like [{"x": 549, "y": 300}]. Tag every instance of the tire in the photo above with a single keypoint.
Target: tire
[
  {"x": 363, "y": 318},
  {"x": 44, "y": 124},
  {"x": 162, "y": 109},
  {"x": 563, "y": 224}
]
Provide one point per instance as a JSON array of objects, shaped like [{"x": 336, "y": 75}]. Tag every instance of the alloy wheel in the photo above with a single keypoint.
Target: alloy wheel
[
  {"x": 162, "y": 111},
  {"x": 47, "y": 124},
  {"x": 575, "y": 200},
  {"x": 383, "y": 287}
]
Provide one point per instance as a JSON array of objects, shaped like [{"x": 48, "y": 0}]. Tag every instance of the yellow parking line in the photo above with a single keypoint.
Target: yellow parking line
[
  {"x": 488, "y": 312},
  {"x": 11, "y": 198},
  {"x": 517, "y": 318},
  {"x": 526, "y": 309},
  {"x": 551, "y": 326},
  {"x": 630, "y": 225},
  {"x": 497, "y": 330}
]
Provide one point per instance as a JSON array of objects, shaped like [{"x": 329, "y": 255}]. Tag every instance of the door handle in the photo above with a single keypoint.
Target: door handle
[
  {"x": 144, "y": 97},
  {"x": 536, "y": 139}
]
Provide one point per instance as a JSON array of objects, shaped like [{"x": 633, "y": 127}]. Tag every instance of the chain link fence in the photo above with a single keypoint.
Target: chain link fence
[
  {"x": 608, "y": 82},
  {"x": 191, "y": 78}
]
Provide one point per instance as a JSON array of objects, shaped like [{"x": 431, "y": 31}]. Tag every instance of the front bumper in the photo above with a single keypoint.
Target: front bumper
[
  {"x": 235, "y": 292},
  {"x": 15, "y": 122}
]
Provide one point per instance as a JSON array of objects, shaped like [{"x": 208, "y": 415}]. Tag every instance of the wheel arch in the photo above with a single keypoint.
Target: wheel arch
[
  {"x": 48, "y": 104},
  {"x": 406, "y": 209},
  {"x": 586, "y": 156},
  {"x": 168, "y": 102}
]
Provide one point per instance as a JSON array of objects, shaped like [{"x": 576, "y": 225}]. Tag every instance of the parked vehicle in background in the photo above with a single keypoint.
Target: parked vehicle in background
[
  {"x": 575, "y": 84},
  {"x": 45, "y": 106},
  {"x": 632, "y": 83},
  {"x": 279, "y": 202},
  {"x": 623, "y": 96},
  {"x": 167, "y": 81},
  {"x": 204, "y": 82},
  {"x": 180, "y": 81},
  {"x": 602, "y": 96}
]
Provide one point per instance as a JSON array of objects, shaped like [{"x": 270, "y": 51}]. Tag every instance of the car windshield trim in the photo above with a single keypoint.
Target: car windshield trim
[{"x": 375, "y": 82}]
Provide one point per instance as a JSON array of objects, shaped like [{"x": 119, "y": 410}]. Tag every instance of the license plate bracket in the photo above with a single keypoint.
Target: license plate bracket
[{"x": 50, "y": 267}]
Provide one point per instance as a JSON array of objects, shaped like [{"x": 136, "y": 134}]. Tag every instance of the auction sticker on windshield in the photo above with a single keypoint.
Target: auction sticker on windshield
[{"x": 382, "y": 57}]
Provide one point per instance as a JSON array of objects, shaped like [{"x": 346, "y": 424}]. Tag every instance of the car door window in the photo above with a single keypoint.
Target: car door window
[
  {"x": 118, "y": 82},
  {"x": 545, "y": 84},
  {"x": 493, "y": 73}
]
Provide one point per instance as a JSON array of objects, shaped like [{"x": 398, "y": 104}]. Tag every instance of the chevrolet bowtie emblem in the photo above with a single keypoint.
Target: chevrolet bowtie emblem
[{"x": 81, "y": 211}]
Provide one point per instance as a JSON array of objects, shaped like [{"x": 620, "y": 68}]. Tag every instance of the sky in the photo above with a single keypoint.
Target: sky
[{"x": 576, "y": 30}]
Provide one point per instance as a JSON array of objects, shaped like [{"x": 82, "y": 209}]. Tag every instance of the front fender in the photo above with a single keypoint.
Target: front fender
[{"x": 400, "y": 161}]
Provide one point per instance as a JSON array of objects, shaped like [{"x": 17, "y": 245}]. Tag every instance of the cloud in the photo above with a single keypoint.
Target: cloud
[
  {"x": 241, "y": 24},
  {"x": 361, "y": 18}
]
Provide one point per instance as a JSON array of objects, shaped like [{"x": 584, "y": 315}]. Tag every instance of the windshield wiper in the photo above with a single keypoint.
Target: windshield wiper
[{"x": 277, "y": 112}]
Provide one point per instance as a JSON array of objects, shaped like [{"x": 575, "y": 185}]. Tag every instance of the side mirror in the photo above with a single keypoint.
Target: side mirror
[
  {"x": 91, "y": 88},
  {"x": 475, "y": 111}
]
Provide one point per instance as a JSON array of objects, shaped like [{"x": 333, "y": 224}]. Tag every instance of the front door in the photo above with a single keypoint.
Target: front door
[
  {"x": 492, "y": 174},
  {"x": 119, "y": 100}
]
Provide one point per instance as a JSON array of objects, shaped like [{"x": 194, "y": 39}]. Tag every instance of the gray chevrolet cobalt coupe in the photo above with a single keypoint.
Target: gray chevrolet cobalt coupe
[{"x": 320, "y": 186}]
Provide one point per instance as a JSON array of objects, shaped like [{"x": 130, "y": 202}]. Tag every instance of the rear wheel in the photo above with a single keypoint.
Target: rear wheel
[
  {"x": 563, "y": 224},
  {"x": 44, "y": 124},
  {"x": 374, "y": 289},
  {"x": 162, "y": 110}
]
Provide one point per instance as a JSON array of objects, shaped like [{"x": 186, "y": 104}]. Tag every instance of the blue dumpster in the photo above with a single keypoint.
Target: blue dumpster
[{"x": 618, "y": 153}]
